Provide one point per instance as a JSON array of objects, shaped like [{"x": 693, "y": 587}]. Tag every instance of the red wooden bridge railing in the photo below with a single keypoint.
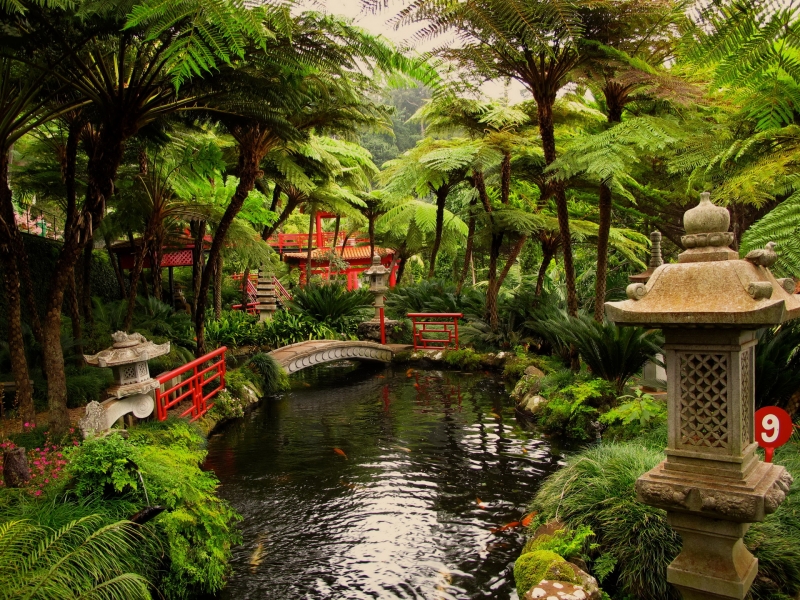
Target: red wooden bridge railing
[
  {"x": 192, "y": 388},
  {"x": 442, "y": 330}
]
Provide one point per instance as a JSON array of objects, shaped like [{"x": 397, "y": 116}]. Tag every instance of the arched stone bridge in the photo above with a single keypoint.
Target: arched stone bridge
[{"x": 299, "y": 356}]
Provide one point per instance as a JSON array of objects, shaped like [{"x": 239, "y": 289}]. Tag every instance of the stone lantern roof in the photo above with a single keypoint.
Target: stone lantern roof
[
  {"x": 709, "y": 286},
  {"x": 127, "y": 348}
]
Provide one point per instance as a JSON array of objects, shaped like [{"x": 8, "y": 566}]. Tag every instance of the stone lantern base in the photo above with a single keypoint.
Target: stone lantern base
[{"x": 712, "y": 514}]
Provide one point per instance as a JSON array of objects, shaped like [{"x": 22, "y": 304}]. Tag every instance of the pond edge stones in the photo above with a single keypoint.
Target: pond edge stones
[{"x": 712, "y": 483}]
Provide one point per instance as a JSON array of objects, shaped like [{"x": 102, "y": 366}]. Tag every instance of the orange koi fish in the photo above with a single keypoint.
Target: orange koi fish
[{"x": 340, "y": 452}]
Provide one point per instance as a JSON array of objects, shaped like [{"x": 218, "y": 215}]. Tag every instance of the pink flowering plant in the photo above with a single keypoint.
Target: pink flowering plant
[{"x": 47, "y": 461}]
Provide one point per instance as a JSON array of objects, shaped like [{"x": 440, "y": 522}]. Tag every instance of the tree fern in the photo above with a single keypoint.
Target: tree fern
[
  {"x": 780, "y": 225},
  {"x": 83, "y": 559}
]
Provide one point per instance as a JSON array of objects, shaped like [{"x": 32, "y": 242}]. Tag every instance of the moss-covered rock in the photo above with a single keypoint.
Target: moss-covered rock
[{"x": 533, "y": 567}]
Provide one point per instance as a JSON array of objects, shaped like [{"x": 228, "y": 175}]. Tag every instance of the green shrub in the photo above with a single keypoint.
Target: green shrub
[
  {"x": 532, "y": 567},
  {"x": 433, "y": 295},
  {"x": 640, "y": 413},
  {"x": 234, "y": 328},
  {"x": 596, "y": 489},
  {"x": 196, "y": 530},
  {"x": 564, "y": 542},
  {"x": 569, "y": 411},
  {"x": 29, "y": 438},
  {"x": 227, "y": 406},
  {"x": 288, "y": 328},
  {"x": 269, "y": 375},
  {"x": 466, "y": 359},
  {"x": 333, "y": 305}
]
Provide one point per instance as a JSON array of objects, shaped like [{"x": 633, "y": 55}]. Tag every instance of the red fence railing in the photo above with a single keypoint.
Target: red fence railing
[
  {"x": 441, "y": 330},
  {"x": 192, "y": 388}
]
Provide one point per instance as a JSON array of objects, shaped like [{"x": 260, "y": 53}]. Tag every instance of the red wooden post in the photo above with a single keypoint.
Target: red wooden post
[{"x": 383, "y": 328}]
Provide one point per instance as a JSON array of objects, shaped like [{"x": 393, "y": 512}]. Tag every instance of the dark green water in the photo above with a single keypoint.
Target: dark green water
[{"x": 399, "y": 517}]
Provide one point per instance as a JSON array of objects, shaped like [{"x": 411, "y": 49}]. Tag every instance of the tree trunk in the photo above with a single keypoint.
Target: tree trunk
[
  {"x": 117, "y": 268},
  {"x": 401, "y": 268},
  {"x": 441, "y": 197},
  {"x": 546, "y": 131},
  {"x": 86, "y": 284},
  {"x": 371, "y": 233},
  {"x": 512, "y": 258},
  {"x": 251, "y": 151},
  {"x": 156, "y": 253},
  {"x": 73, "y": 306},
  {"x": 136, "y": 272},
  {"x": 548, "y": 252},
  {"x": 102, "y": 172},
  {"x": 310, "y": 249},
  {"x": 16, "y": 343},
  {"x": 245, "y": 284},
  {"x": 468, "y": 250},
  {"x": 491, "y": 315},
  {"x": 218, "y": 288},
  {"x": 291, "y": 204},
  {"x": 198, "y": 264},
  {"x": 602, "y": 252},
  {"x": 614, "y": 104},
  {"x": 336, "y": 232}
]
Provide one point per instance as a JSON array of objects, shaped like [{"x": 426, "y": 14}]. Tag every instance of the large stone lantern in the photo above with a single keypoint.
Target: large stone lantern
[
  {"x": 712, "y": 484},
  {"x": 131, "y": 391}
]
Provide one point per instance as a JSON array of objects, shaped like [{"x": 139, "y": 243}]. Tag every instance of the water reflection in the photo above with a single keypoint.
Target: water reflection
[{"x": 428, "y": 464}]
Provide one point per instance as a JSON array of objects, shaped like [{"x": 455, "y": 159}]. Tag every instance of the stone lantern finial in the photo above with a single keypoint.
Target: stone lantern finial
[{"x": 712, "y": 483}]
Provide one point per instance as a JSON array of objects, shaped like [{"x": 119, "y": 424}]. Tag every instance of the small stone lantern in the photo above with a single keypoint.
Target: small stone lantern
[
  {"x": 712, "y": 483},
  {"x": 130, "y": 392},
  {"x": 377, "y": 277}
]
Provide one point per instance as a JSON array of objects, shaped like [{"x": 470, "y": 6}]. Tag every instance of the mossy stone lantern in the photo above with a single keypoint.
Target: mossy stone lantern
[{"x": 712, "y": 484}]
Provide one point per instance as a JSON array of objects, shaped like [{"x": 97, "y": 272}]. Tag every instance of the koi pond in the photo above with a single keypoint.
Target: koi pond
[{"x": 373, "y": 482}]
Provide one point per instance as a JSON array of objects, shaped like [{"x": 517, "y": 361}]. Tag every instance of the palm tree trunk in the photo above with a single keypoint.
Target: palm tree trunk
[
  {"x": 546, "y": 131},
  {"x": 291, "y": 205},
  {"x": 156, "y": 254},
  {"x": 11, "y": 279},
  {"x": 117, "y": 270},
  {"x": 310, "y": 250},
  {"x": 371, "y": 233},
  {"x": 199, "y": 263},
  {"x": 441, "y": 197}
]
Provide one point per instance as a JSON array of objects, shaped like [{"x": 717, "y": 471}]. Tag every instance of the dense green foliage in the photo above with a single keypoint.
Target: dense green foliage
[{"x": 159, "y": 464}]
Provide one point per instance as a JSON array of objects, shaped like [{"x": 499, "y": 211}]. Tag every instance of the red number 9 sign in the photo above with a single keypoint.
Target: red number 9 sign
[{"x": 773, "y": 429}]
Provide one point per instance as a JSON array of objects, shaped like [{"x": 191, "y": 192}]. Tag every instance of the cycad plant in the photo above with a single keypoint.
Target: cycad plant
[
  {"x": 332, "y": 305},
  {"x": 777, "y": 365},
  {"x": 612, "y": 353},
  {"x": 85, "y": 558}
]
